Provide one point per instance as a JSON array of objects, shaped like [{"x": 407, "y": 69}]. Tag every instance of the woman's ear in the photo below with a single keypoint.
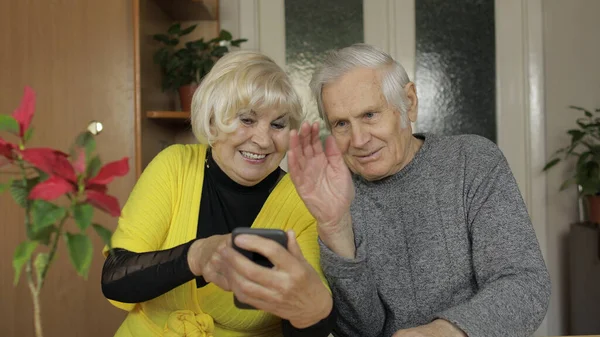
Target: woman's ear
[{"x": 411, "y": 93}]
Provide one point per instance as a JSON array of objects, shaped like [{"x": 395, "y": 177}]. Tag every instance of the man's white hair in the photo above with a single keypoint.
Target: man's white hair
[{"x": 337, "y": 63}]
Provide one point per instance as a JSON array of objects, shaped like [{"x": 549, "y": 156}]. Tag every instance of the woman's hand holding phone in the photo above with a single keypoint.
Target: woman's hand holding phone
[
  {"x": 201, "y": 251},
  {"x": 292, "y": 289}
]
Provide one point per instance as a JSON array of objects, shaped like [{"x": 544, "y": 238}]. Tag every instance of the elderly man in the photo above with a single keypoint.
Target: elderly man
[{"x": 425, "y": 235}]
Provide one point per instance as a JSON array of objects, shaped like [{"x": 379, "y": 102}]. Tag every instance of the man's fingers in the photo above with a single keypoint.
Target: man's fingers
[
  {"x": 296, "y": 150},
  {"x": 305, "y": 140},
  {"x": 317, "y": 147}
]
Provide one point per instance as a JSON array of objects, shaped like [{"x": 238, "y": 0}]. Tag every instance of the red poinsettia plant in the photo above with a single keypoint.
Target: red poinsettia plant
[{"x": 53, "y": 187}]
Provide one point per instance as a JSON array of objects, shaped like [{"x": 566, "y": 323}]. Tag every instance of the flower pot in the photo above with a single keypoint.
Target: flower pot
[
  {"x": 593, "y": 208},
  {"x": 186, "y": 92}
]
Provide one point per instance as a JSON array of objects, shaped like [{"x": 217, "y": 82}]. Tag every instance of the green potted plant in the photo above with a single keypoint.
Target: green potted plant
[
  {"x": 585, "y": 146},
  {"x": 54, "y": 188},
  {"x": 184, "y": 66}
]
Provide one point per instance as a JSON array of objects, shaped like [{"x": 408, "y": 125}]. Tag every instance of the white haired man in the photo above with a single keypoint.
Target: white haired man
[{"x": 425, "y": 235}]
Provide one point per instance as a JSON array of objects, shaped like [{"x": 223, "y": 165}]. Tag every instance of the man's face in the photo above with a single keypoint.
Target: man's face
[{"x": 366, "y": 128}]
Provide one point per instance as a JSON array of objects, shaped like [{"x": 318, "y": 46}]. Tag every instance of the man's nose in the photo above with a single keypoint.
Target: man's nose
[{"x": 360, "y": 136}]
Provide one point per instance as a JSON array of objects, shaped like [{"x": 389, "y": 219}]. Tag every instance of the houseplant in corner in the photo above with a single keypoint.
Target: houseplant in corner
[
  {"x": 53, "y": 187},
  {"x": 183, "y": 67},
  {"x": 585, "y": 146}
]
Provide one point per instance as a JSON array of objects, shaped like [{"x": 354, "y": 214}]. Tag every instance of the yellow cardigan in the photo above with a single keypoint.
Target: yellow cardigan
[{"x": 161, "y": 213}]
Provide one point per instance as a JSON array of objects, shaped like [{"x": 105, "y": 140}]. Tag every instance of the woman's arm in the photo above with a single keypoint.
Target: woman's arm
[{"x": 130, "y": 277}]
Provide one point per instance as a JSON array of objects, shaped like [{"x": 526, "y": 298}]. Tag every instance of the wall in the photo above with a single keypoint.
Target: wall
[
  {"x": 78, "y": 56},
  {"x": 572, "y": 77}
]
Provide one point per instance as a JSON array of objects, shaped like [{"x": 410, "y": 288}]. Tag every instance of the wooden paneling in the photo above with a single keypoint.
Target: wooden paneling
[{"x": 78, "y": 57}]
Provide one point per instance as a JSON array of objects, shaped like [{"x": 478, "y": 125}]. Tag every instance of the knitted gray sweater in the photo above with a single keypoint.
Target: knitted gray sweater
[{"x": 448, "y": 237}]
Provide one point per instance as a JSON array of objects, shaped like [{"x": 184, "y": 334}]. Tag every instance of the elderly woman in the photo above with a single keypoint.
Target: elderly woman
[{"x": 173, "y": 268}]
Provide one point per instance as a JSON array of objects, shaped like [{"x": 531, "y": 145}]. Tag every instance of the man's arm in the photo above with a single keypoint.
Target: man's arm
[
  {"x": 343, "y": 259},
  {"x": 514, "y": 285}
]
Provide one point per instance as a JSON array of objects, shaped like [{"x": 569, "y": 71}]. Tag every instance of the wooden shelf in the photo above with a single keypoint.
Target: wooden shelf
[
  {"x": 189, "y": 10},
  {"x": 168, "y": 115}
]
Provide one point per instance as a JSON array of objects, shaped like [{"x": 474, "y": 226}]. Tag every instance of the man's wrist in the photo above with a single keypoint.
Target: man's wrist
[
  {"x": 447, "y": 328},
  {"x": 339, "y": 237}
]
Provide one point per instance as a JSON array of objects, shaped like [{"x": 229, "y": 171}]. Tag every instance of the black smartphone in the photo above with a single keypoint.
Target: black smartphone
[{"x": 276, "y": 235}]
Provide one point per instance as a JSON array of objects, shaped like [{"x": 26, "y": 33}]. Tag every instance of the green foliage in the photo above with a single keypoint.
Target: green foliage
[
  {"x": 188, "y": 64},
  {"x": 80, "y": 252},
  {"x": 104, "y": 234},
  {"x": 585, "y": 146},
  {"x": 8, "y": 123},
  {"x": 83, "y": 214},
  {"x": 21, "y": 256}
]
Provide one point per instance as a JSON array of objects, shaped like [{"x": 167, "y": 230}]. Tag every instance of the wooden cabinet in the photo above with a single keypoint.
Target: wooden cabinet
[{"x": 159, "y": 123}]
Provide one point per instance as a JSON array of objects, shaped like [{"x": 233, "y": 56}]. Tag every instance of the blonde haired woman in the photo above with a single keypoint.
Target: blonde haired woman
[{"x": 173, "y": 268}]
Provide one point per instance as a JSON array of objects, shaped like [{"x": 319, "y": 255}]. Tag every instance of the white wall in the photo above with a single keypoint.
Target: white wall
[{"x": 572, "y": 77}]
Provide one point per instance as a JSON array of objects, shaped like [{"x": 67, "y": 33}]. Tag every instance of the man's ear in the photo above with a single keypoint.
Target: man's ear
[{"x": 411, "y": 93}]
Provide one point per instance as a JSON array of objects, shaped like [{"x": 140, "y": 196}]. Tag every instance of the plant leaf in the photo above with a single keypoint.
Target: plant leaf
[
  {"x": 236, "y": 43},
  {"x": 42, "y": 236},
  {"x": 104, "y": 202},
  {"x": 103, "y": 233},
  {"x": 80, "y": 252},
  {"x": 175, "y": 29},
  {"x": 162, "y": 38},
  {"x": 111, "y": 170},
  {"x": 20, "y": 190},
  {"x": 576, "y": 135},
  {"x": 219, "y": 51},
  {"x": 94, "y": 167},
  {"x": 50, "y": 161},
  {"x": 51, "y": 189},
  {"x": 225, "y": 35},
  {"x": 45, "y": 214},
  {"x": 9, "y": 123},
  {"x": 24, "y": 113},
  {"x": 551, "y": 163},
  {"x": 587, "y": 112},
  {"x": 21, "y": 256},
  {"x": 187, "y": 30},
  {"x": 83, "y": 214},
  {"x": 42, "y": 176},
  {"x": 28, "y": 135},
  {"x": 87, "y": 141}
]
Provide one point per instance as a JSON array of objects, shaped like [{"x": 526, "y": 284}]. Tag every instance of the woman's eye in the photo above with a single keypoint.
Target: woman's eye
[
  {"x": 246, "y": 121},
  {"x": 340, "y": 124},
  {"x": 278, "y": 125},
  {"x": 370, "y": 115}
]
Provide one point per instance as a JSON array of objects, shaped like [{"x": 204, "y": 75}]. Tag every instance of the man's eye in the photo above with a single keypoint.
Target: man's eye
[
  {"x": 370, "y": 115},
  {"x": 340, "y": 124}
]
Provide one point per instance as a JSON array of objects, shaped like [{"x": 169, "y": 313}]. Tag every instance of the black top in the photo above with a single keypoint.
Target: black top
[{"x": 130, "y": 277}]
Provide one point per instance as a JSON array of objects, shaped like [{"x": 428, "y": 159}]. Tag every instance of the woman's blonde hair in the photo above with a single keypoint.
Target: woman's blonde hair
[{"x": 241, "y": 81}]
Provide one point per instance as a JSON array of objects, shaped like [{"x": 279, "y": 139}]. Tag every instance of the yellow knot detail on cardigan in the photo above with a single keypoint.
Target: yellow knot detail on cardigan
[{"x": 186, "y": 323}]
